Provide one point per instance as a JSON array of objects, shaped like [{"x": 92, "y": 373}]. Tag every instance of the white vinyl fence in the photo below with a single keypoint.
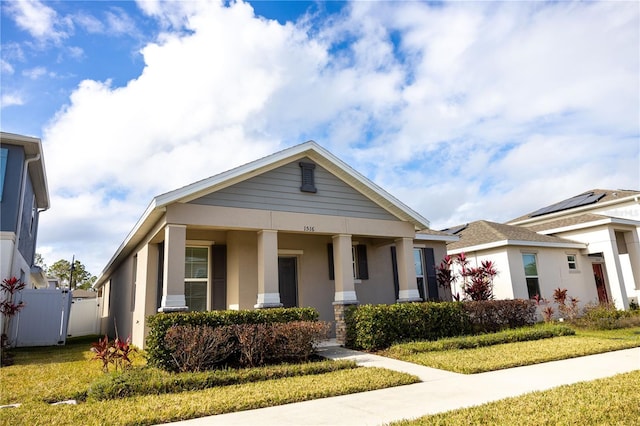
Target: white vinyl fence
[
  {"x": 84, "y": 318},
  {"x": 44, "y": 319}
]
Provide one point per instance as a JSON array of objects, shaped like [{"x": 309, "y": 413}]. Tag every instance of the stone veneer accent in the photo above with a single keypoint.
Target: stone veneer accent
[{"x": 339, "y": 309}]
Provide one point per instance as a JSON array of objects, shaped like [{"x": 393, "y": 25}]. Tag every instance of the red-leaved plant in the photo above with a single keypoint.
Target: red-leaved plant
[
  {"x": 477, "y": 282},
  {"x": 568, "y": 306},
  {"x": 114, "y": 352},
  {"x": 9, "y": 307}
]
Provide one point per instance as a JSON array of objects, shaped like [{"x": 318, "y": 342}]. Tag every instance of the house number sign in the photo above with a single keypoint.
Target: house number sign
[{"x": 308, "y": 228}]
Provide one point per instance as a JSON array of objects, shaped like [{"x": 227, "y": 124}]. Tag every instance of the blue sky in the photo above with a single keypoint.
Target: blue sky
[{"x": 463, "y": 110}]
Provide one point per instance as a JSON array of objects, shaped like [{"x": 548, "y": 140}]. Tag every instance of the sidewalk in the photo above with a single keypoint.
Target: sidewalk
[{"x": 440, "y": 391}]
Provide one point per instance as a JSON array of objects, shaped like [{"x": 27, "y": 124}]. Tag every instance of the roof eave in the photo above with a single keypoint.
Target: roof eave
[
  {"x": 150, "y": 216},
  {"x": 32, "y": 148},
  {"x": 445, "y": 238},
  {"x": 518, "y": 243}
]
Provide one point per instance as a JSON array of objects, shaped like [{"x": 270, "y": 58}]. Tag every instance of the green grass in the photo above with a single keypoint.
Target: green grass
[
  {"x": 42, "y": 375},
  {"x": 611, "y": 401},
  {"x": 500, "y": 356}
]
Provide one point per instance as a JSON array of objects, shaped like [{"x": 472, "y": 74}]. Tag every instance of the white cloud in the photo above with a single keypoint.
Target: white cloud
[
  {"x": 40, "y": 20},
  {"x": 11, "y": 99},
  {"x": 465, "y": 111},
  {"x": 6, "y": 67},
  {"x": 35, "y": 73},
  {"x": 113, "y": 22}
]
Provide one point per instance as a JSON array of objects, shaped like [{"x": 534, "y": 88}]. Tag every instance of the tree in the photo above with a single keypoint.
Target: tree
[
  {"x": 82, "y": 278},
  {"x": 38, "y": 260}
]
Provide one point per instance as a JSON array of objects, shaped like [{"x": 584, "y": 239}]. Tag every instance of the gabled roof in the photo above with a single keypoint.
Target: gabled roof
[
  {"x": 482, "y": 234},
  {"x": 595, "y": 198},
  {"x": 309, "y": 149},
  {"x": 32, "y": 149}
]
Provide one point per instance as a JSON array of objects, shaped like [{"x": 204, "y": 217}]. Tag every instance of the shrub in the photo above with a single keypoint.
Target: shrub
[
  {"x": 494, "y": 315},
  {"x": 199, "y": 348},
  {"x": 297, "y": 340},
  {"x": 373, "y": 327},
  {"x": 254, "y": 342},
  {"x": 606, "y": 316},
  {"x": 160, "y": 356}
]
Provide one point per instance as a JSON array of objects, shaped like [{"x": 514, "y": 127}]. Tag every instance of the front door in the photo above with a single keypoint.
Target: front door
[
  {"x": 288, "y": 281},
  {"x": 600, "y": 285}
]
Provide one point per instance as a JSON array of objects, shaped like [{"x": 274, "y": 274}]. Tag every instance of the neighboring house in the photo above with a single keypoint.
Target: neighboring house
[
  {"x": 81, "y": 294},
  {"x": 23, "y": 196},
  {"x": 528, "y": 263},
  {"x": 608, "y": 222},
  {"x": 297, "y": 228},
  {"x": 587, "y": 244}
]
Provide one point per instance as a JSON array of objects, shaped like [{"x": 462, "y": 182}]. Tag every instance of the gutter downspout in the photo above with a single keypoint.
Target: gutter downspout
[{"x": 23, "y": 189}]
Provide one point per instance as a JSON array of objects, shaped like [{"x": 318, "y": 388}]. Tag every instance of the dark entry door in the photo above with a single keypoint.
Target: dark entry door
[
  {"x": 288, "y": 281},
  {"x": 598, "y": 274}
]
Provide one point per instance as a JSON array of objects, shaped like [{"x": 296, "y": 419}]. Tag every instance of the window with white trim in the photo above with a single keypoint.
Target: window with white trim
[
  {"x": 572, "y": 262},
  {"x": 531, "y": 274},
  {"x": 196, "y": 277}
]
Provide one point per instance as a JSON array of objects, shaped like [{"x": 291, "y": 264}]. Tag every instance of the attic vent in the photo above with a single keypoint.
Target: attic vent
[{"x": 308, "y": 179}]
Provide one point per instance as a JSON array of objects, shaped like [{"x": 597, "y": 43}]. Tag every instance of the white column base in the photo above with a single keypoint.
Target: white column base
[
  {"x": 345, "y": 297},
  {"x": 409, "y": 296},
  {"x": 173, "y": 303},
  {"x": 268, "y": 300}
]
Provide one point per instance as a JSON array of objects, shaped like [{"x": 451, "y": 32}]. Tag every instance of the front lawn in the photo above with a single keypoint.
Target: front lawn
[
  {"x": 611, "y": 401},
  {"x": 43, "y": 375},
  {"x": 500, "y": 356}
]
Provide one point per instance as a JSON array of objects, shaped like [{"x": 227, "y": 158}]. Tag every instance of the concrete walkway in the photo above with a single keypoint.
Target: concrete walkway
[{"x": 439, "y": 391}]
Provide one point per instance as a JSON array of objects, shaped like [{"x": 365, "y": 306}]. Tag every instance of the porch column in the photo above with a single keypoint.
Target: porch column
[
  {"x": 345, "y": 291},
  {"x": 614, "y": 273},
  {"x": 408, "y": 287},
  {"x": 268, "y": 289},
  {"x": 175, "y": 238},
  {"x": 343, "y": 269}
]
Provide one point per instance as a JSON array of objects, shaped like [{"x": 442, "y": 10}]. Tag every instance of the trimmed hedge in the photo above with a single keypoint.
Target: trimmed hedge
[
  {"x": 374, "y": 327},
  {"x": 489, "y": 316},
  {"x": 159, "y": 355}
]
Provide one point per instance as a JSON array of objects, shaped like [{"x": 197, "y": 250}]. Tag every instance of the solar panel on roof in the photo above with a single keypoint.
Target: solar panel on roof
[
  {"x": 577, "y": 201},
  {"x": 456, "y": 229}
]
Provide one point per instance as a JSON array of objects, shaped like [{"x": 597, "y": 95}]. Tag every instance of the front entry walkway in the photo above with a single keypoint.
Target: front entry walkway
[{"x": 440, "y": 391}]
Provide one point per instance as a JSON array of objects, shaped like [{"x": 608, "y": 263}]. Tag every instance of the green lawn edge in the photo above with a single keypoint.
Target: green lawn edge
[{"x": 609, "y": 401}]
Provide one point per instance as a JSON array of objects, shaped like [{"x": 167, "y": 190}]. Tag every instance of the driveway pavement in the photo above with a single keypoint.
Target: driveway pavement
[{"x": 439, "y": 391}]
